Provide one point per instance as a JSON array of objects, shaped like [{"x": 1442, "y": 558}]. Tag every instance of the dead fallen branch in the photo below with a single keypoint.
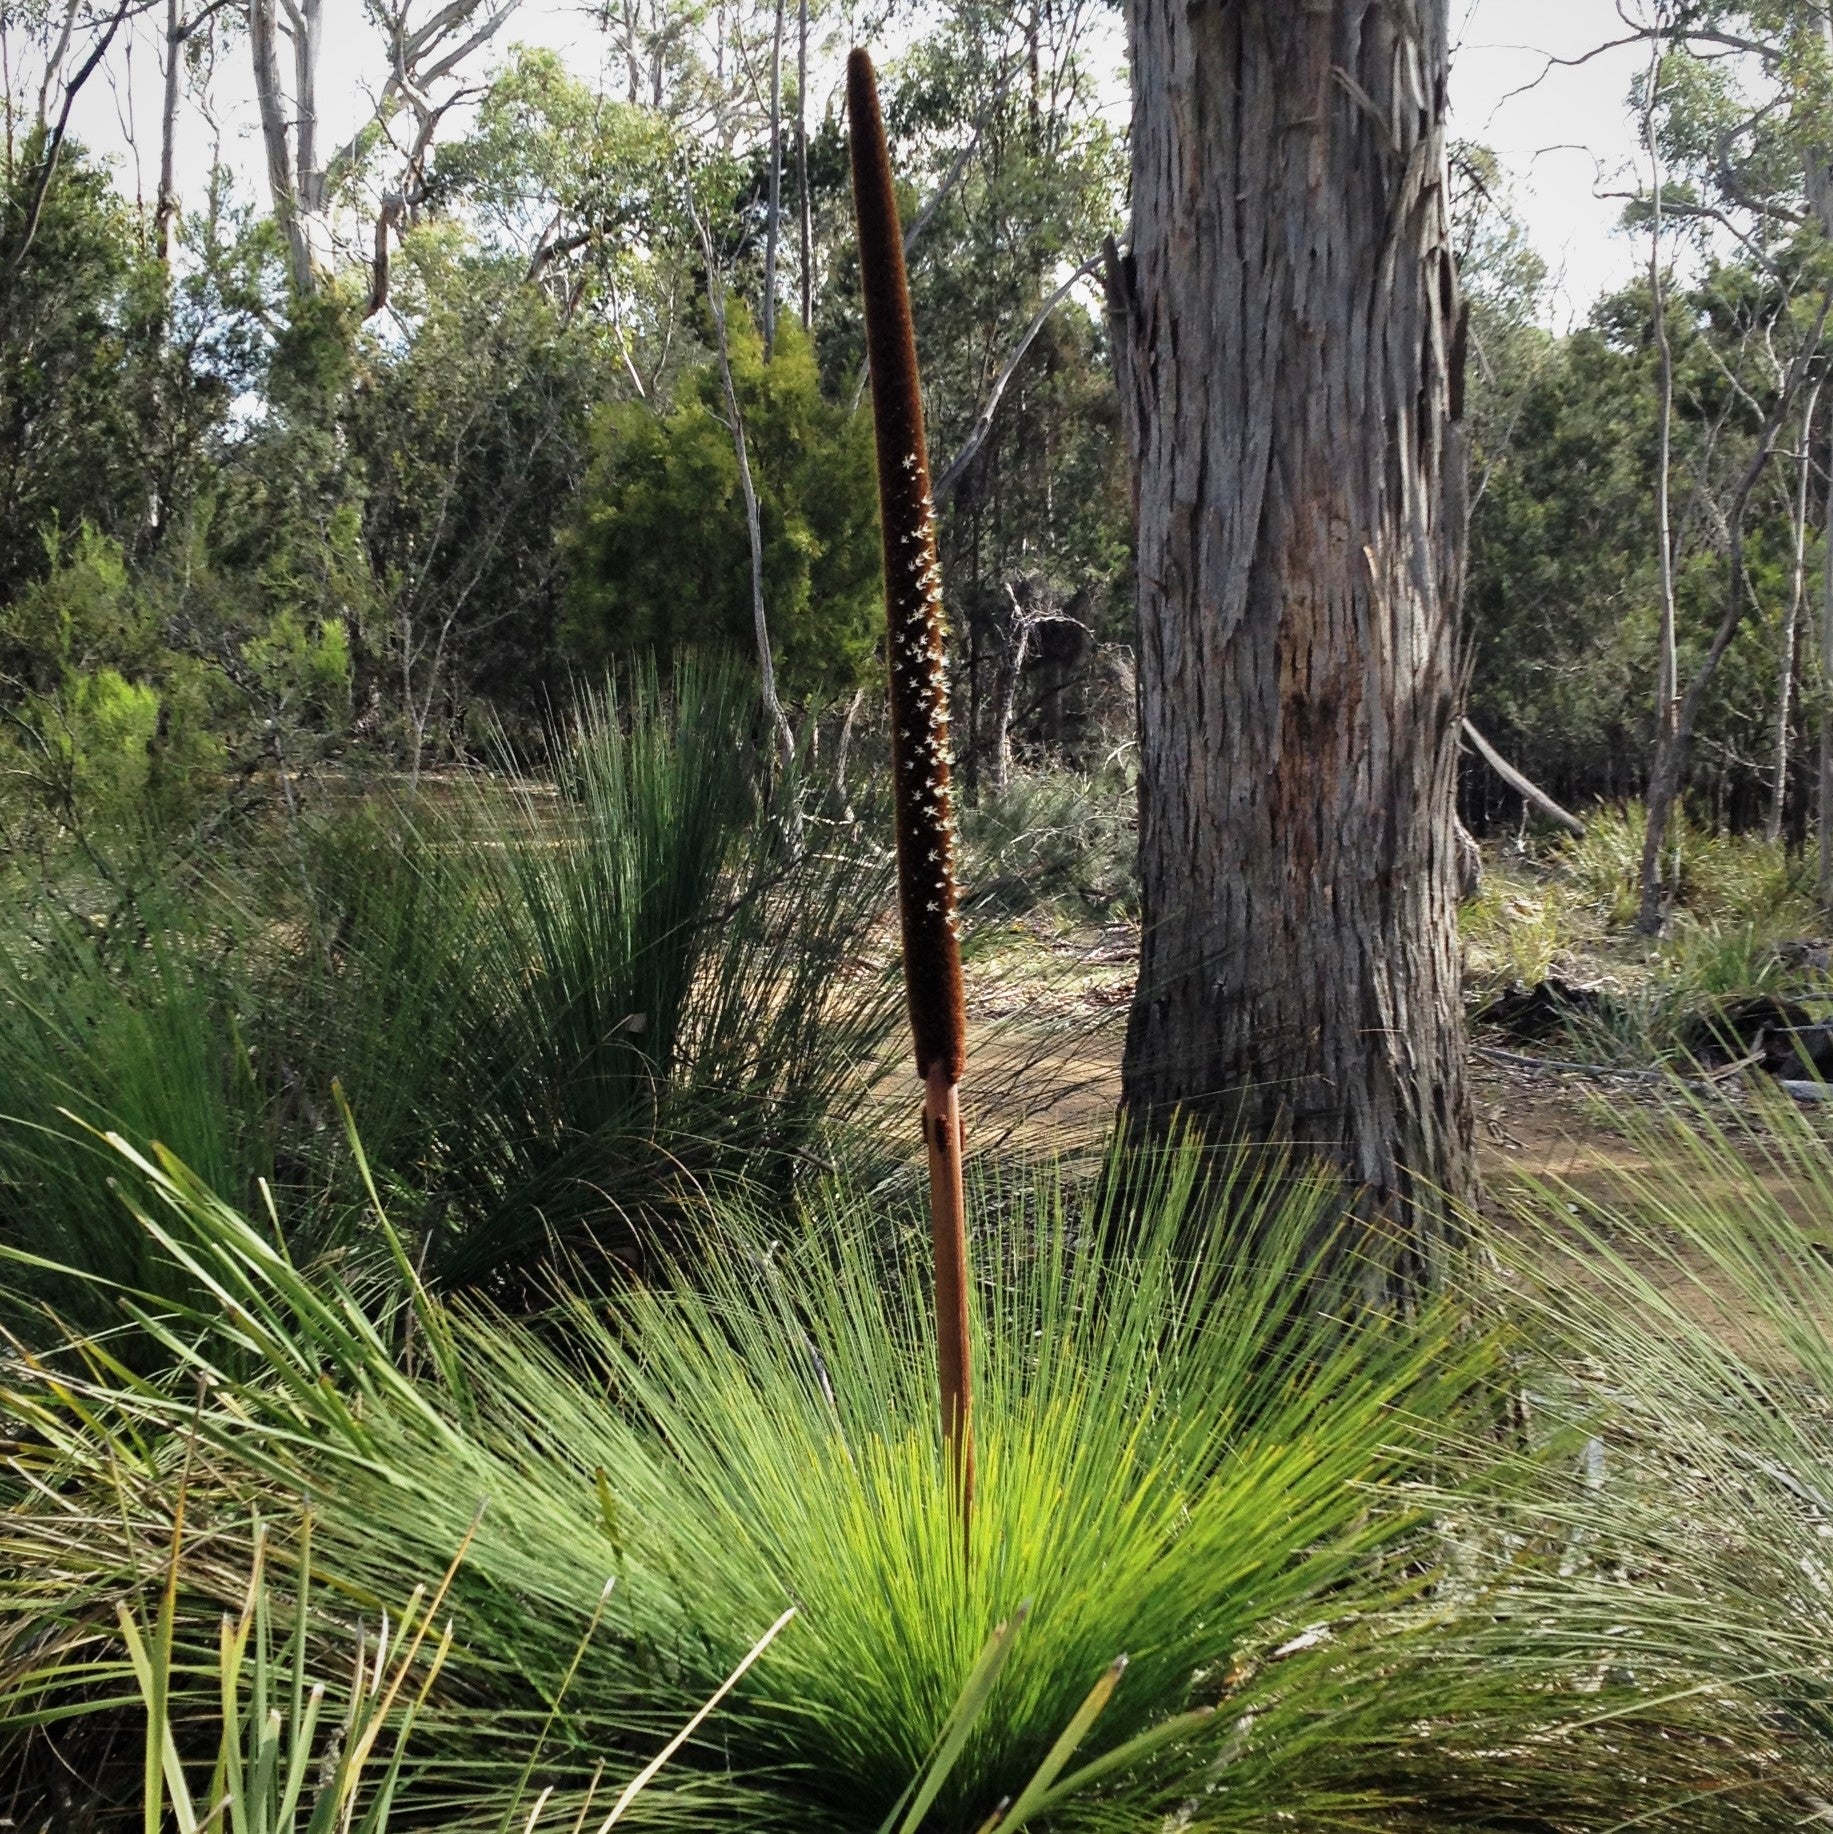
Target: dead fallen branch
[{"x": 1523, "y": 786}]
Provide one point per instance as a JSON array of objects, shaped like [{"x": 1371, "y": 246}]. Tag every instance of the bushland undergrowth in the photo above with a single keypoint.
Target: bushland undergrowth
[
  {"x": 555, "y": 1010},
  {"x": 1743, "y": 923},
  {"x": 441, "y": 1266}
]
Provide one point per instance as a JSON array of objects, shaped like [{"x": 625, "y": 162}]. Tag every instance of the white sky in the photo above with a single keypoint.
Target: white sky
[
  {"x": 1564, "y": 133},
  {"x": 1564, "y": 141}
]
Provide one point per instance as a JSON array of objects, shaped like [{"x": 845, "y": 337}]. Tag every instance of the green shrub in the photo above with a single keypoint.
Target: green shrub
[
  {"x": 273, "y": 1772},
  {"x": 1674, "y": 1306},
  {"x": 133, "y": 1021},
  {"x": 108, "y": 729},
  {"x": 1740, "y": 879},
  {"x": 1054, "y": 838},
  {"x": 557, "y": 1014},
  {"x": 1352, "y": 1595},
  {"x": 661, "y": 556}
]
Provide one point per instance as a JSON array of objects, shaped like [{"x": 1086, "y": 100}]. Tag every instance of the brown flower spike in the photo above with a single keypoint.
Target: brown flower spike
[{"x": 917, "y": 656}]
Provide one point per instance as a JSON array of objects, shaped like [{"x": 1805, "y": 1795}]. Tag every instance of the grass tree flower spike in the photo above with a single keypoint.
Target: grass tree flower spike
[{"x": 919, "y": 743}]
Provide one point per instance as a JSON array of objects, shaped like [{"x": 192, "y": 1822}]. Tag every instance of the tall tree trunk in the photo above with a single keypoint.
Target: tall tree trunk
[
  {"x": 1667, "y": 668},
  {"x": 1818, "y": 164},
  {"x": 1009, "y": 679},
  {"x": 781, "y": 730},
  {"x": 1293, "y": 389},
  {"x": 773, "y": 233},
  {"x": 310, "y": 179},
  {"x": 165, "y": 211},
  {"x": 1791, "y": 623},
  {"x": 842, "y": 748},
  {"x": 633, "y": 69},
  {"x": 1826, "y": 696},
  {"x": 264, "y": 51},
  {"x": 1666, "y": 779},
  {"x": 804, "y": 203}
]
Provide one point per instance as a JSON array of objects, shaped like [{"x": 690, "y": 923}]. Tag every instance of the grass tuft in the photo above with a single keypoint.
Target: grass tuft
[{"x": 1194, "y": 1446}]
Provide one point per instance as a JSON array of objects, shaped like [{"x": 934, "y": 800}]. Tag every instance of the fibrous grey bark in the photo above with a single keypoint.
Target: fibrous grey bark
[{"x": 1291, "y": 356}]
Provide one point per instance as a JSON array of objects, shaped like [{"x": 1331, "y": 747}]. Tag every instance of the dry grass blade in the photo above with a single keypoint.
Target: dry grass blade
[{"x": 648, "y": 1773}]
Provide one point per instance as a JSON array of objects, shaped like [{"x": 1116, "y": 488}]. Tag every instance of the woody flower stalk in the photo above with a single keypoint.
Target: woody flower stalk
[{"x": 919, "y": 747}]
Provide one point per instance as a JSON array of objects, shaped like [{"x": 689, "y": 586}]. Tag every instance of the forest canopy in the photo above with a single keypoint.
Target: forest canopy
[{"x": 321, "y": 523}]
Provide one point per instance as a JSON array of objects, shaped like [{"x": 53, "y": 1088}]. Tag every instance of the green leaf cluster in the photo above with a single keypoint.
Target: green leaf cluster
[
  {"x": 661, "y": 555},
  {"x": 107, "y": 725}
]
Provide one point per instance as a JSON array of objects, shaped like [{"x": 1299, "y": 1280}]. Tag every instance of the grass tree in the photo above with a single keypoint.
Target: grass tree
[{"x": 919, "y": 743}]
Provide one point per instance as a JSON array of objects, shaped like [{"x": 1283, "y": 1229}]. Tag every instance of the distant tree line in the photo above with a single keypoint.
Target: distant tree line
[
  {"x": 384, "y": 456},
  {"x": 277, "y": 493}
]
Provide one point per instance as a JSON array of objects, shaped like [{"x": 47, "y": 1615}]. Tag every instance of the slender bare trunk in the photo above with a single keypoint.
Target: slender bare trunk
[
  {"x": 1667, "y": 677},
  {"x": 754, "y": 527},
  {"x": 1670, "y": 760},
  {"x": 843, "y": 746},
  {"x": 165, "y": 211},
  {"x": 1819, "y": 174},
  {"x": 388, "y": 218},
  {"x": 1667, "y": 665},
  {"x": 1826, "y": 697},
  {"x": 1791, "y": 623},
  {"x": 804, "y": 203},
  {"x": 311, "y": 181},
  {"x": 773, "y": 232},
  {"x": 264, "y": 52},
  {"x": 1522, "y": 784},
  {"x": 1005, "y": 691},
  {"x": 948, "y": 480},
  {"x": 54, "y": 64},
  {"x": 1293, "y": 389}
]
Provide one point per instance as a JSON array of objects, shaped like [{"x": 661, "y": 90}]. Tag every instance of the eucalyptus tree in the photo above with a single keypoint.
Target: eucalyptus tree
[
  {"x": 1736, "y": 106},
  {"x": 428, "y": 51},
  {"x": 49, "y": 53},
  {"x": 1292, "y": 378}
]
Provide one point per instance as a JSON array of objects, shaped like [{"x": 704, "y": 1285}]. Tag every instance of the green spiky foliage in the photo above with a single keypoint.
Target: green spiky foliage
[
  {"x": 555, "y": 1009},
  {"x": 1674, "y": 1315},
  {"x": 1195, "y": 1459},
  {"x": 134, "y": 1023},
  {"x": 615, "y": 990},
  {"x": 273, "y": 1772}
]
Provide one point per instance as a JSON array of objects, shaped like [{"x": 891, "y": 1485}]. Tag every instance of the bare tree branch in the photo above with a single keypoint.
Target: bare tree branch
[
  {"x": 54, "y": 146},
  {"x": 1523, "y": 785},
  {"x": 953, "y": 472}
]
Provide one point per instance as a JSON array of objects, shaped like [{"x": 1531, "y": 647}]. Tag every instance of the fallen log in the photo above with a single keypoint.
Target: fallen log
[{"x": 1714, "y": 1083}]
